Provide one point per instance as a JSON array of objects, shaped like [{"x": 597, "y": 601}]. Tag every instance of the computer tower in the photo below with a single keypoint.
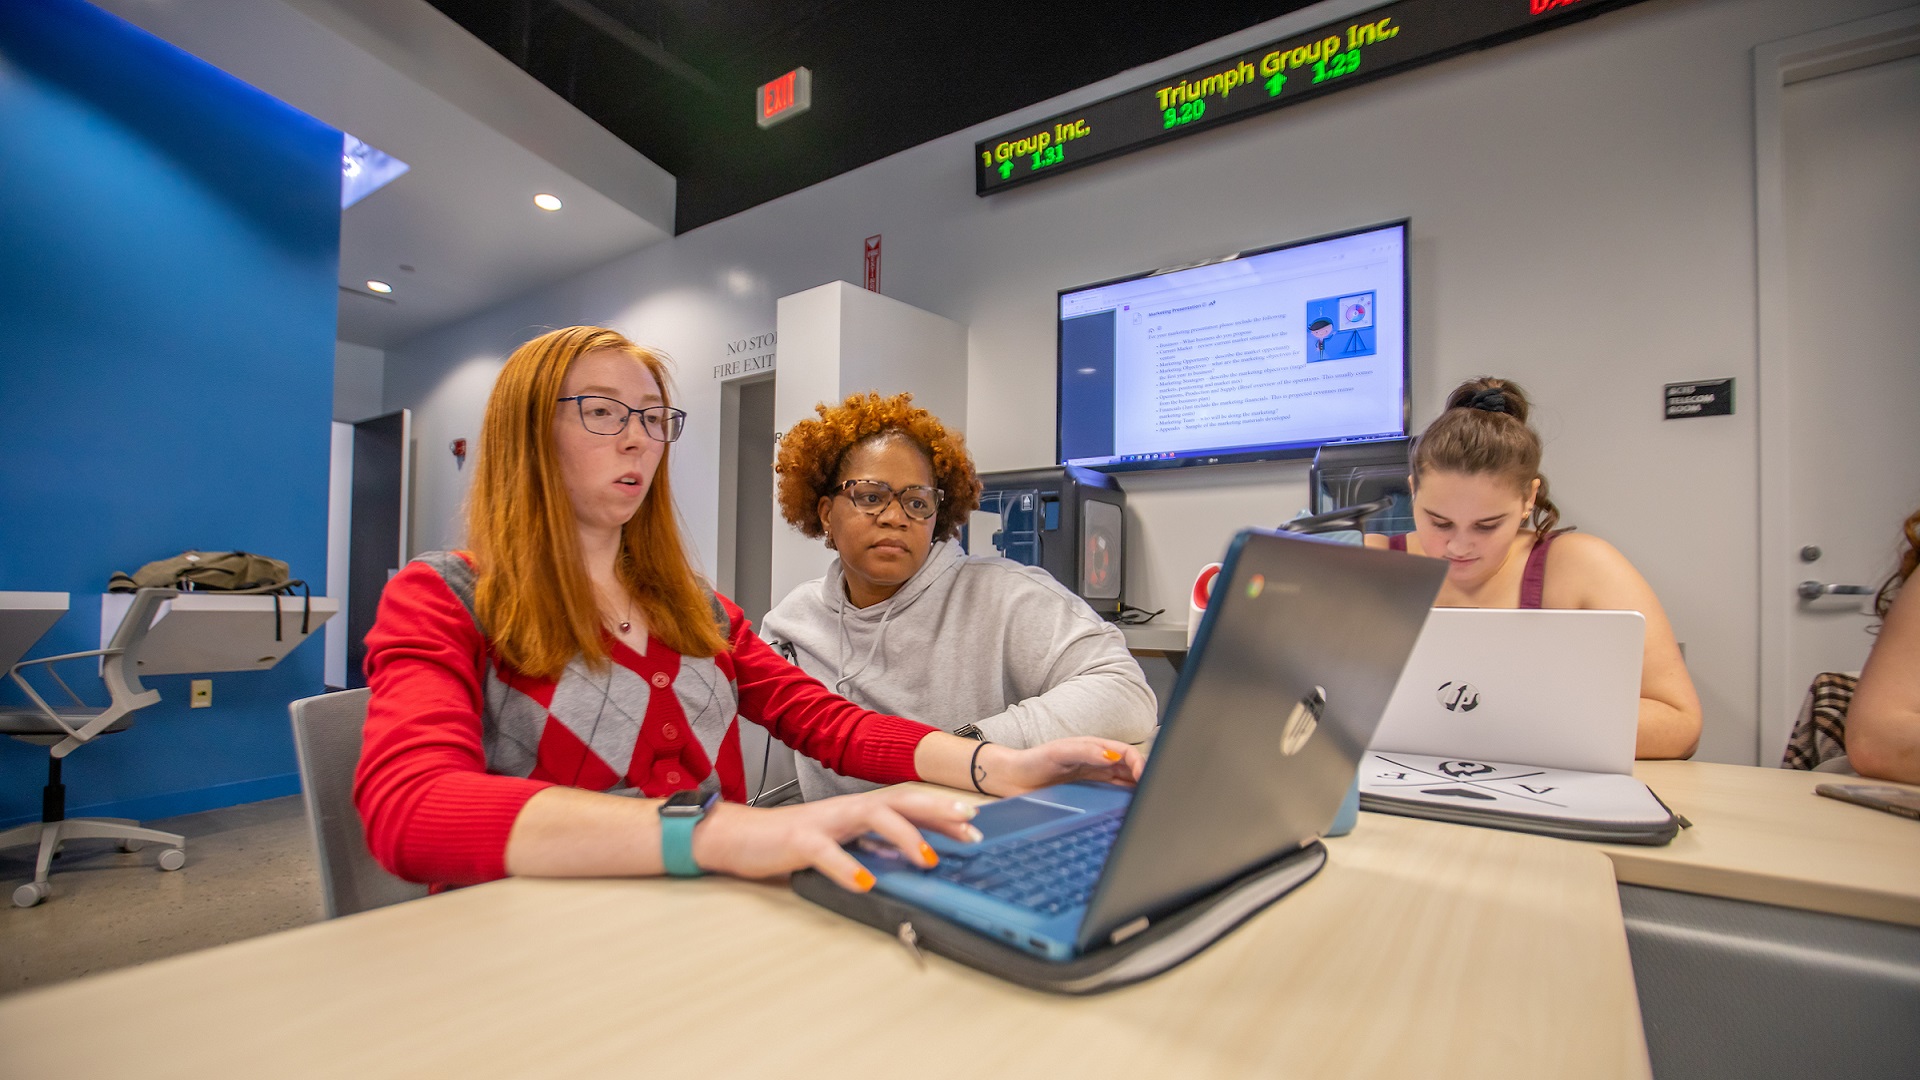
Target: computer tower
[
  {"x": 1347, "y": 474},
  {"x": 1068, "y": 521}
]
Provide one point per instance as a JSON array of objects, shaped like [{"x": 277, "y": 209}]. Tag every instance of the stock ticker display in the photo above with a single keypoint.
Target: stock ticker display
[{"x": 1384, "y": 41}]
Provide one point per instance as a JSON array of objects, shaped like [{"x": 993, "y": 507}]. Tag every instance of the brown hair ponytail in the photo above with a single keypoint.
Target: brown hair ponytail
[
  {"x": 1909, "y": 561},
  {"x": 1484, "y": 431}
]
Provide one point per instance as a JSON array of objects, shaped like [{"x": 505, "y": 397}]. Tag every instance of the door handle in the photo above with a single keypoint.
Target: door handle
[{"x": 1814, "y": 590}]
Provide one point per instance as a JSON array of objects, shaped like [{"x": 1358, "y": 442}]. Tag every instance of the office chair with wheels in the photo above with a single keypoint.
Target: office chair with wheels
[
  {"x": 66, "y": 729},
  {"x": 326, "y": 738}
]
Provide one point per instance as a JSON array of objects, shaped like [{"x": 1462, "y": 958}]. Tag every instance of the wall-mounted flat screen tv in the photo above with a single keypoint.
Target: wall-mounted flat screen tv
[{"x": 1260, "y": 355}]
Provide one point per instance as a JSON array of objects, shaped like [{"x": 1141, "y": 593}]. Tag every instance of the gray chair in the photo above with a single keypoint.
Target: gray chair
[
  {"x": 326, "y": 737},
  {"x": 66, "y": 729}
]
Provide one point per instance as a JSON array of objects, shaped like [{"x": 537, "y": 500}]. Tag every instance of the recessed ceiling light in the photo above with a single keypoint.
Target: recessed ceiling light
[
  {"x": 379, "y": 287},
  {"x": 547, "y": 202}
]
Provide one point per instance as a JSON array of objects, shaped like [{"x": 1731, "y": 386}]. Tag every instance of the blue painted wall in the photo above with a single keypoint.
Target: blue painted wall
[{"x": 169, "y": 242}]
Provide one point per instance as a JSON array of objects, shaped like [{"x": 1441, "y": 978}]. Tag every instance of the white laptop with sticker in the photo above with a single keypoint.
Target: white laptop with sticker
[{"x": 1519, "y": 719}]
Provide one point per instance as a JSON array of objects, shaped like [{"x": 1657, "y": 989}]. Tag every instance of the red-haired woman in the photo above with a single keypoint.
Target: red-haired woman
[
  {"x": 563, "y": 699},
  {"x": 1019, "y": 658},
  {"x": 1480, "y": 502}
]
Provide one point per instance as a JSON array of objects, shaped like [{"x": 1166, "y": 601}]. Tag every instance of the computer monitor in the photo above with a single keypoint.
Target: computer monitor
[{"x": 1257, "y": 355}]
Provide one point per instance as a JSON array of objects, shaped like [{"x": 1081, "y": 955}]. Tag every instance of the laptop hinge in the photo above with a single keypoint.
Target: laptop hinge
[{"x": 1127, "y": 931}]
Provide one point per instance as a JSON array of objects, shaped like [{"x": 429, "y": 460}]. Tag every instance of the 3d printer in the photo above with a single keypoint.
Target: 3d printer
[{"x": 1070, "y": 522}]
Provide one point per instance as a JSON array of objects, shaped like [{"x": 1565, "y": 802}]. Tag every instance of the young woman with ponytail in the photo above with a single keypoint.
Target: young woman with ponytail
[{"x": 1480, "y": 502}]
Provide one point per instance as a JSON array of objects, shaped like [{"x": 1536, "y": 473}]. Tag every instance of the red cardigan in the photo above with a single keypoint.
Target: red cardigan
[{"x": 456, "y": 741}]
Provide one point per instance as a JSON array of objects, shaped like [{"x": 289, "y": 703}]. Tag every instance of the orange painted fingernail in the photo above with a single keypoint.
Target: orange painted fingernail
[
  {"x": 864, "y": 879},
  {"x": 927, "y": 853},
  {"x": 1111, "y": 755}
]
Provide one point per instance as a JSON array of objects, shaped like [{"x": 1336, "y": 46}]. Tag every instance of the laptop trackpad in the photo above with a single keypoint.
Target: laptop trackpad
[{"x": 997, "y": 819}]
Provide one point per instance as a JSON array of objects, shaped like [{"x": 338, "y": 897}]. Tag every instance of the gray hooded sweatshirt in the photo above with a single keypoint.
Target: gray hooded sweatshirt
[{"x": 967, "y": 640}]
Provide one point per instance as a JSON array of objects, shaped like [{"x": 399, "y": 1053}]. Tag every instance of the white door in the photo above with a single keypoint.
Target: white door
[{"x": 1850, "y": 194}]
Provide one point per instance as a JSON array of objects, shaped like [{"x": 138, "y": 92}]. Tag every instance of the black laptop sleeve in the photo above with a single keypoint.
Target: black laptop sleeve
[{"x": 1161, "y": 946}]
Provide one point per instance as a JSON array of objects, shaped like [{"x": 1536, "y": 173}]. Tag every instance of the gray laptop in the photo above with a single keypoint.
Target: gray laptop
[{"x": 1292, "y": 667}]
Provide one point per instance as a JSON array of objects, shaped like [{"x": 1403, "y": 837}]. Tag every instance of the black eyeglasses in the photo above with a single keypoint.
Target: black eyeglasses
[
  {"x": 872, "y": 496},
  {"x": 609, "y": 416}
]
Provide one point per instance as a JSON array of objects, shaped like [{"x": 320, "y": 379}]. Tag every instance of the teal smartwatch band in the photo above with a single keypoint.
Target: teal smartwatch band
[{"x": 678, "y": 815}]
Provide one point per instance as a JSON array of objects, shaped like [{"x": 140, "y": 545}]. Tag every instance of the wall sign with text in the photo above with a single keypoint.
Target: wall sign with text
[
  {"x": 1372, "y": 45},
  {"x": 784, "y": 98},
  {"x": 1684, "y": 401},
  {"x": 748, "y": 356}
]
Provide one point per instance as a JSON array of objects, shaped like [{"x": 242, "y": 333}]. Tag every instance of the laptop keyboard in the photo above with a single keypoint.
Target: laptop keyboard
[{"x": 1048, "y": 874}]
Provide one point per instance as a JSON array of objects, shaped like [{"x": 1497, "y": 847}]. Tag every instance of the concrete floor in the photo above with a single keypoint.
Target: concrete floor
[{"x": 250, "y": 871}]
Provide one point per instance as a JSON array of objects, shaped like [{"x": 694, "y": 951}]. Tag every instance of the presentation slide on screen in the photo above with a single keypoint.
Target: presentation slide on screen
[{"x": 1295, "y": 346}]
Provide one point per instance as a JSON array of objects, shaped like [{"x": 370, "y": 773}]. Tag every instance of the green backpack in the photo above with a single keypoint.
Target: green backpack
[{"x": 220, "y": 571}]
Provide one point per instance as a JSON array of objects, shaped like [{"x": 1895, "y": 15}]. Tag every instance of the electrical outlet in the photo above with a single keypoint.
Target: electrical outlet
[{"x": 201, "y": 695}]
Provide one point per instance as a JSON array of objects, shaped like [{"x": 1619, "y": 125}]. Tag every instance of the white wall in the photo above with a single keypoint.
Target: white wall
[
  {"x": 359, "y": 382},
  {"x": 1582, "y": 220}
]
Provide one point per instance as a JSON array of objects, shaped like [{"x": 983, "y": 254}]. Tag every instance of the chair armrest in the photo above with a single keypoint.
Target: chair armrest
[
  {"x": 39, "y": 702},
  {"x": 15, "y": 669}
]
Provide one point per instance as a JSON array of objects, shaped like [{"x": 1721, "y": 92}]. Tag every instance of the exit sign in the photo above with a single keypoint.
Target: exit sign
[{"x": 789, "y": 95}]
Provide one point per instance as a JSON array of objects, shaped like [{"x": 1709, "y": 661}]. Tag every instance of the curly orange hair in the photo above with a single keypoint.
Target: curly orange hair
[{"x": 812, "y": 451}]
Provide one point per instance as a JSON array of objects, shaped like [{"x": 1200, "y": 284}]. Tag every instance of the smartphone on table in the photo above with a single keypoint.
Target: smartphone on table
[{"x": 1893, "y": 800}]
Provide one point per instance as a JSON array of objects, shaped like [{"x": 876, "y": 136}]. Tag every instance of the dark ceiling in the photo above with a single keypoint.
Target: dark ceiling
[{"x": 676, "y": 78}]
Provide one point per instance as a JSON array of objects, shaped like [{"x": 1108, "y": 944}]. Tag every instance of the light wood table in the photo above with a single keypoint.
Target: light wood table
[
  {"x": 1763, "y": 835},
  {"x": 1421, "y": 950}
]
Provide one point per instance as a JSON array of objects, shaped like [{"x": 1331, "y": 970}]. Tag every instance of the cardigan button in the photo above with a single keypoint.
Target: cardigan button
[
  {"x": 669, "y": 731},
  {"x": 660, "y": 680},
  {"x": 673, "y": 778}
]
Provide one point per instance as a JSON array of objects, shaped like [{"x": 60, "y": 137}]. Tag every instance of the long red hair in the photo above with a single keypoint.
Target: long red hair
[{"x": 532, "y": 592}]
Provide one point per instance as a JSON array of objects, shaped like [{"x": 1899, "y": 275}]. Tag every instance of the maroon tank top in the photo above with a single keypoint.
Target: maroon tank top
[{"x": 1533, "y": 580}]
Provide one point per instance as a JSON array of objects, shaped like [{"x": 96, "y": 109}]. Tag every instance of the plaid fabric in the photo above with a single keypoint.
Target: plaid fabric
[{"x": 1820, "y": 732}]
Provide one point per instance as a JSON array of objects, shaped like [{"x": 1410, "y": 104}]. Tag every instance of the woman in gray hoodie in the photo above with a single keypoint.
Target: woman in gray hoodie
[{"x": 906, "y": 622}]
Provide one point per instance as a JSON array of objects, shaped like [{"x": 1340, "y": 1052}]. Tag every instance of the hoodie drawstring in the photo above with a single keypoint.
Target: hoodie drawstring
[{"x": 879, "y": 637}]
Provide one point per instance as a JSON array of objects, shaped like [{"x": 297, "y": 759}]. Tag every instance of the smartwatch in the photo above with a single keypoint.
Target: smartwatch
[{"x": 678, "y": 815}]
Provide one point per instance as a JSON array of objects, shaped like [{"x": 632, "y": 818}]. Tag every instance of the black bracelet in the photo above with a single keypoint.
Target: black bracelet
[{"x": 973, "y": 770}]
